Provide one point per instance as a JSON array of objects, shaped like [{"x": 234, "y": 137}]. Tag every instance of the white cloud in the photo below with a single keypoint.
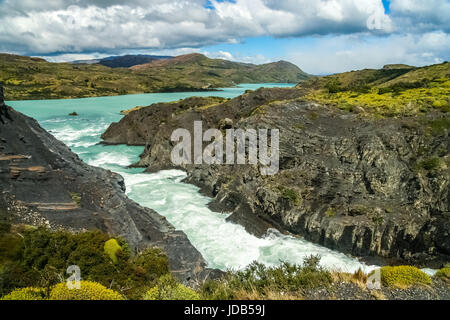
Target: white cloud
[
  {"x": 347, "y": 52},
  {"x": 419, "y": 15},
  {"x": 68, "y": 57},
  {"x": 349, "y": 34},
  {"x": 304, "y": 17},
  {"x": 82, "y": 25},
  {"x": 220, "y": 55}
]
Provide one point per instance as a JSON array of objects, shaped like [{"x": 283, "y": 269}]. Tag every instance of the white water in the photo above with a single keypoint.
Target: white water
[{"x": 224, "y": 245}]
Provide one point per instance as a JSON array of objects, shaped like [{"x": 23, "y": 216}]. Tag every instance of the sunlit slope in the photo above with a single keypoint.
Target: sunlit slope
[{"x": 391, "y": 91}]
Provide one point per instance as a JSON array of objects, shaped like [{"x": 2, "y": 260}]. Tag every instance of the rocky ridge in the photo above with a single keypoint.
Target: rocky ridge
[{"x": 372, "y": 187}]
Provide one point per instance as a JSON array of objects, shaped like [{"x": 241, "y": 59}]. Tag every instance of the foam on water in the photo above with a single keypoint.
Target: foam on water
[
  {"x": 223, "y": 244},
  {"x": 104, "y": 159}
]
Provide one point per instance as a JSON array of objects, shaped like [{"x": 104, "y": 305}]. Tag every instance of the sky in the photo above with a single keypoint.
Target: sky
[{"x": 320, "y": 36}]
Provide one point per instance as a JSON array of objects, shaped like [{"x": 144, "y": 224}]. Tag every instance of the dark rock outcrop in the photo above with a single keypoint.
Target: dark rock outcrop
[
  {"x": 43, "y": 183},
  {"x": 4, "y": 114},
  {"x": 351, "y": 182}
]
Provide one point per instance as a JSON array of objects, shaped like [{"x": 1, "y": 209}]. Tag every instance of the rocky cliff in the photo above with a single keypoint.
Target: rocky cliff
[
  {"x": 43, "y": 183},
  {"x": 370, "y": 186}
]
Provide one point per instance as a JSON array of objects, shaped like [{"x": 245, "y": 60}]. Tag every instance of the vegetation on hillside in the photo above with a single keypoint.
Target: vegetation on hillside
[
  {"x": 168, "y": 288},
  {"x": 37, "y": 257},
  {"x": 404, "y": 277},
  {"x": 34, "y": 78},
  {"x": 33, "y": 264},
  {"x": 88, "y": 291},
  {"x": 258, "y": 281},
  {"x": 386, "y": 92}
]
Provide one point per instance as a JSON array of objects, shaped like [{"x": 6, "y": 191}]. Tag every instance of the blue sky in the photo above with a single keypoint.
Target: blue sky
[
  {"x": 320, "y": 36},
  {"x": 386, "y": 5}
]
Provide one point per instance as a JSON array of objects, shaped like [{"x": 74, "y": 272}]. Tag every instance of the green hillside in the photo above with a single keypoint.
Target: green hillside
[
  {"x": 34, "y": 78},
  {"x": 391, "y": 91},
  {"x": 205, "y": 72}
]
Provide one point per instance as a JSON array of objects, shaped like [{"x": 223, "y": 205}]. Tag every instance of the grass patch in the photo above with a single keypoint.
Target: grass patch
[
  {"x": 330, "y": 213},
  {"x": 290, "y": 194},
  {"x": 128, "y": 111},
  {"x": 76, "y": 197}
]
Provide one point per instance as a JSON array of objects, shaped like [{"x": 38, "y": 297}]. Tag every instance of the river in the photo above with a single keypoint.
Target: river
[{"x": 224, "y": 245}]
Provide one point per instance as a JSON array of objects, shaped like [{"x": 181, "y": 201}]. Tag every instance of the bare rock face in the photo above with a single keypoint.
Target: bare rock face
[
  {"x": 349, "y": 181},
  {"x": 43, "y": 183},
  {"x": 3, "y": 108}
]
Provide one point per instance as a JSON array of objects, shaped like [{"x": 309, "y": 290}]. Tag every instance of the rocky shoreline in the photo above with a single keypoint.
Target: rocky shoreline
[
  {"x": 376, "y": 188},
  {"x": 43, "y": 182}
]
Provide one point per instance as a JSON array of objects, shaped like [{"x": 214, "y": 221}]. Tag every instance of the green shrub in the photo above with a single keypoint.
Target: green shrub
[
  {"x": 430, "y": 164},
  {"x": 5, "y": 227},
  {"x": 290, "y": 194},
  {"x": 443, "y": 273},
  {"x": 168, "y": 289},
  {"x": 333, "y": 85},
  {"x": 10, "y": 247},
  {"x": 41, "y": 258},
  {"x": 112, "y": 249},
  {"x": 260, "y": 279},
  {"x": 218, "y": 289},
  {"x": 404, "y": 277},
  {"x": 440, "y": 126},
  {"x": 88, "y": 291},
  {"x": 26, "y": 294},
  {"x": 153, "y": 261}
]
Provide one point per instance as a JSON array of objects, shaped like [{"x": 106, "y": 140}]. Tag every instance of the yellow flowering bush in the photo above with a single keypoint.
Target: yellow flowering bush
[
  {"x": 88, "y": 291},
  {"x": 112, "y": 247},
  {"x": 26, "y": 294},
  {"x": 404, "y": 277},
  {"x": 443, "y": 273},
  {"x": 169, "y": 289}
]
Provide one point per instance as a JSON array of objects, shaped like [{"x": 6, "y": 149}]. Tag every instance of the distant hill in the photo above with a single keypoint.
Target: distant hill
[
  {"x": 398, "y": 66},
  {"x": 34, "y": 78},
  {"x": 122, "y": 61},
  {"x": 211, "y": 72}
]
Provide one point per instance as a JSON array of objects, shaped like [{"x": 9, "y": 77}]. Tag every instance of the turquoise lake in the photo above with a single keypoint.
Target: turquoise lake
[{"x": 224, "y": 245}]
